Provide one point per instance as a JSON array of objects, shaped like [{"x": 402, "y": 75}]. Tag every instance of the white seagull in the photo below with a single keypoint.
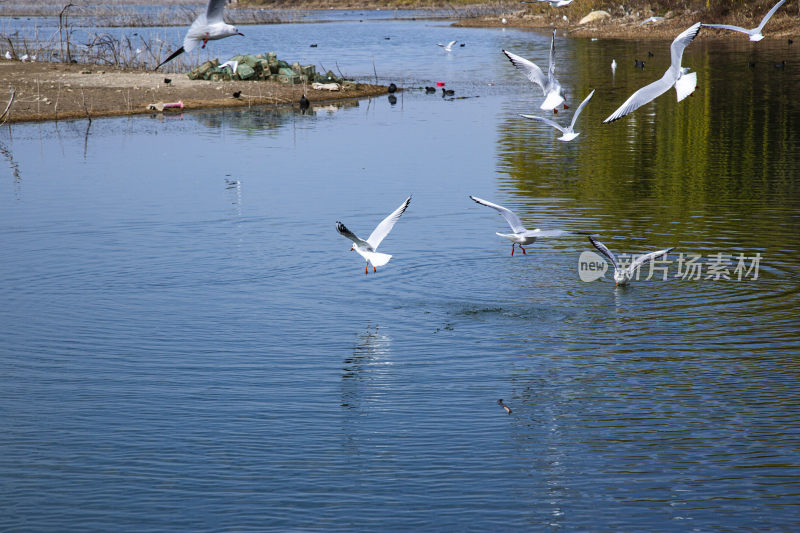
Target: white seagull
[
  {"x": 613, "y": 66},
  {"x": 550, "y": 86},
  {"x": 553, "y": 3},
  {"x": 676, "y": 76},
  {"x": 447, "y": 47},
  {"x": 208, "y": 26},
  {"x": 624, "y": 275},
  {"x": 568, "y": 132},
  {"x": 755, "y": 33},
  {"x": 651, "y": 19},
  {"x": 366, "y": 249},
  {"x": 521, "y": 236}
]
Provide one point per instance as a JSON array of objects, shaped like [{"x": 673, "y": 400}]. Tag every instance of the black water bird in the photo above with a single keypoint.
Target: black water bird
[
  {"x": 781, "y": 65},
  {"x": 392, "y": 88},
  {"x": 314, "y": 45},
  {"x": 462, "y": 45},
  {"x": 430, "y": 90},
  {"x": 650, "y": 54},
  {"x": 304, "y": 103},
  {"x": 638, "y": 64},
  {"x": 447, "y": 92},
  {"x": 504, "y": 406}
]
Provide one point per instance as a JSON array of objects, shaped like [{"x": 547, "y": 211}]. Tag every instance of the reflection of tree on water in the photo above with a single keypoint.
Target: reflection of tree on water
[
  {"x": 9, "y": 155},
  {"x": 261, "y": 118}
]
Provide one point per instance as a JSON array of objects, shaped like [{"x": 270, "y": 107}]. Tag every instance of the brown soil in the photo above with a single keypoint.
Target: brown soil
[
  {"x": 52, "y": 91},
  {"x": 780, "y": 27}
]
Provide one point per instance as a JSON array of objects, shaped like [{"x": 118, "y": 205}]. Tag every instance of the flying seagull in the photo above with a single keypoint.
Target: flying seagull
[
  {"x": 623, "y": 275},
  {"x": 553, "y": 3},
  {"x": 208, "y": 26},
  {"x": 755, "y": 33},
  {"x": 366, "y": 249},
  {"x": 651, "y": 19},
  {"x": 550, "y": 86},
  {"x": 675, "y": 75},
  {"x": 522, "y": 236},
  {"x": 447, "y": 47},
  {"x": 568, "y": 132}
]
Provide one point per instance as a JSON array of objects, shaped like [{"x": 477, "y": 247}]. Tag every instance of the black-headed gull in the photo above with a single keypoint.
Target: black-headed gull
[
  {"x": 622, "y": 276},
  {"x": 366, "y": 248},
  {"x": 208, "y": 26},
  {"x": 521, "y": 236},
  {"x": 550, "y": 86},
  {"x": 755, "y": 33},
  {"x": 675, "y": 76},
  {"x": 568, "y": 132},
  {"x": 447, "y": 47}
]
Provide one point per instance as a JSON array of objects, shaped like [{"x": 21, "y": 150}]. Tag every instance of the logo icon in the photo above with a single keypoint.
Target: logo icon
[{"x": 591, "y": 266}]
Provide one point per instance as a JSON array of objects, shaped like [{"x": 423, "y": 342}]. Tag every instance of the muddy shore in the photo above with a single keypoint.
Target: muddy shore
[{"x": 55, "y": 91}]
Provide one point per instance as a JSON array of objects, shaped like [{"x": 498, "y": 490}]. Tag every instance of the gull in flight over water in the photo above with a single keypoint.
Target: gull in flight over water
[
  {"x": 553, "y": 3},
  {"x": 521, "y": 236},
  {"x": 675, "y": 76},
  {"x": 447, "y": 47},
  {"x": 208, "y": 26},
  {"x": 550, "y": 86},
  {"x": 366, "y": 248},
  {"x": 755, "y": 33},
  {"x": 568, "y": 132},
  {"x": 622, "y": 276},
  {"x": 651, "y": 19}
]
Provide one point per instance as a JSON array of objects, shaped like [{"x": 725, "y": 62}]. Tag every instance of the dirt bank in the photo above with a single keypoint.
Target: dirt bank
[
  {"x": 52, "y": 91},
  {"x": 622, "y": 24}
]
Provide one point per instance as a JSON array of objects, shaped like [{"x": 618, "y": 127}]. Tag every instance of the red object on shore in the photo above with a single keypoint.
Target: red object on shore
[{"x": 178, "y": 104}]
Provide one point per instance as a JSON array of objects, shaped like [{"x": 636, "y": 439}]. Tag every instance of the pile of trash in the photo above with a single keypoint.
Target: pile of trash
[{"x": 261, "y": 67}]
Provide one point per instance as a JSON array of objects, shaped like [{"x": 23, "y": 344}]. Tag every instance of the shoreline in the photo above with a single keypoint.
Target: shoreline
[{"x": 61, "y": 91}]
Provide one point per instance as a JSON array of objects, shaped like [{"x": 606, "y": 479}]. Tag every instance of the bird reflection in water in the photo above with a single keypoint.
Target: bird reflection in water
[{"x": 369, "y": 360}]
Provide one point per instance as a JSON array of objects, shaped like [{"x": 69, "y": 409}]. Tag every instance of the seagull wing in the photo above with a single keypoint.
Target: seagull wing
[
  {"x": 769, "y": 15},
  {"x": 547, "y": 121},
  {"x": 197, "y": 31},
  {"x": 643, "y": 96},
  {"x": 727, "y": 27},
  {"x": 531, "y": 71},
  {"x": 679, "y": 44},
  {"x": 603, "y": 250},
  {"x": 214, "y": 11},
  {"x": 551, "y": 70},
  {"x": 386, "y": 225},
  {"x": 642, "y": 259},
  {"x": 451, "y": 43},
  {"x": 512, "y": 219},
  {"x": 342, "y": 229},
  {"x": 580, "y": 108}
]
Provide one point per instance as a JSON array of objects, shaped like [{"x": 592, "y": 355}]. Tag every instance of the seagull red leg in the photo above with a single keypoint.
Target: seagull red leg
[
  {"x": 205, "y": 41},
  {"x": 512, "y": 249},
  {"x": 523, "y": 249}
]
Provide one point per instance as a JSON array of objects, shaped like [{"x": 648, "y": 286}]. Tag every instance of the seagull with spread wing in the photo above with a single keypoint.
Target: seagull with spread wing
[
  {"x": 208, "y": 26},
  {"x": 522, "y": 236},
  {"x": 755, "y": 33},
  {"x": 675, "y": 76},
  {"x": 568, "y": 132},
  {"x": 623, "y": 275},
  {"x": 549, "y": 84},
  {"x": 367, "y": 248},
  {"x": 447, "y": 47}
]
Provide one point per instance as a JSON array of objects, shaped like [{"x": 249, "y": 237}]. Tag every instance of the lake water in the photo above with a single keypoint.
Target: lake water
[{"x": 188, "y": 345}]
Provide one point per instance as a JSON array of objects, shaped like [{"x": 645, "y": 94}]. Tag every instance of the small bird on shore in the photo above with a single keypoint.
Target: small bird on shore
[
  {"x": 367, "y": 248},
  {"x": 675, "y": 76},
  {"x": 8, "y": 55},
  {"x": 392, "y": 88},
  {"x": 504, "y": 406},
  {"x": 622, "y": 276},
  {"x": 208, "y": 26},
  {"x": 521, "y": 236},
  {"x": 753, "y": 33},
  {"x": 167, "y": 81},
  {"x": 237, "y": 94}
]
